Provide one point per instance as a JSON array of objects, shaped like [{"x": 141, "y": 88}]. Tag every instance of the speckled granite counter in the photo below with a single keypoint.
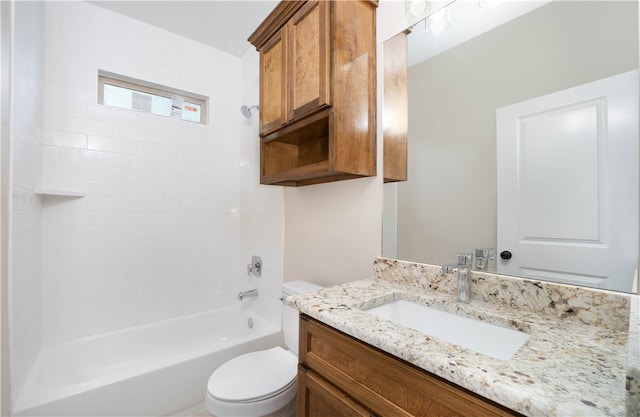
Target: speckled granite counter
[{"x": 579, "y": 360}]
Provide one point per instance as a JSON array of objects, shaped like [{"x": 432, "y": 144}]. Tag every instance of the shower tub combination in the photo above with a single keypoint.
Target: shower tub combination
[{"x": 160, "y": 369}]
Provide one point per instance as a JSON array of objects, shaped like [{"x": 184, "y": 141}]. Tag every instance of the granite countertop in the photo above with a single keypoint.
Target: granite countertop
[{"x": 566, "y": 368}]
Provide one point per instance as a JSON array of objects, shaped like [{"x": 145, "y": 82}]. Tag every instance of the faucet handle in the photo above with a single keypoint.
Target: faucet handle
[
  {"x": 483, "y": 256},
  {"x": 255, "y": 267},
  {"x": 488, "y": 253},
  {"x": 465, "y": 258}
]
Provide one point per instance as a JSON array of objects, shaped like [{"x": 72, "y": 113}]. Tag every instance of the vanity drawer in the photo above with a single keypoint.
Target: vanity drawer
[
  {"x": 318, "y": 398},
  {"x": 382, "y": 383}
]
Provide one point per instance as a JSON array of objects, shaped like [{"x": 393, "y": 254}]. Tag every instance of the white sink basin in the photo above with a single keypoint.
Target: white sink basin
[{"x": 491, "y": 340}]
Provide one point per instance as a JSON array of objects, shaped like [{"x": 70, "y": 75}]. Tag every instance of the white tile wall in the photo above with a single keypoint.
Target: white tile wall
[
  {"x": 173, "y": 211},
  {"x": 170, "y": 217},
  {"x": 261, "y": 206},
  {"x": 25, "y": 282}
]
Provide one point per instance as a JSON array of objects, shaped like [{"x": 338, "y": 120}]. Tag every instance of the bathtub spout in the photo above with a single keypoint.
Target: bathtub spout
[{"x": 250, "y": 293}]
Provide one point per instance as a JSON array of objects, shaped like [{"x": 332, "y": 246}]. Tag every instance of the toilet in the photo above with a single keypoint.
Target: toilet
[{"x": 262, "y": 383}]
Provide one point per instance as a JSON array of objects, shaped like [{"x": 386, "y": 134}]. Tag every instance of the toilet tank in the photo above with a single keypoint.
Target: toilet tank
[{"x": 290, "y": 323}]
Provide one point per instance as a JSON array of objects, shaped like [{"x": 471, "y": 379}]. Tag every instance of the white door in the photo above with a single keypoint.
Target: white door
[{"x": 567, "y": 180}]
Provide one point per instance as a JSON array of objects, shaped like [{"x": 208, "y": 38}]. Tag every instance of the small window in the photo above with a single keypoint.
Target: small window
[{"x": 128, "y": 93}]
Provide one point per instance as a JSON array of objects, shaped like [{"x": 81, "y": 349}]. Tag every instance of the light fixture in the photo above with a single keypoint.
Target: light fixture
[
  {"x": 439, "y": 22},
  {"x": 416, "y": 8}
]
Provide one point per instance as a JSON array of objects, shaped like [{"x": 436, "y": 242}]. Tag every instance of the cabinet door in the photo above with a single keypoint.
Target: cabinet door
[
  {"x": 318, "y": 398},
  {"x": 273, "y": 113},
  {"x": 395, "y": 108},
  {"x": 309, "y": 59}
]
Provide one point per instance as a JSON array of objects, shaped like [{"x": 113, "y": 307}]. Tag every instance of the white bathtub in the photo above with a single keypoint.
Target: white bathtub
[{"x": 153, "y": 370}]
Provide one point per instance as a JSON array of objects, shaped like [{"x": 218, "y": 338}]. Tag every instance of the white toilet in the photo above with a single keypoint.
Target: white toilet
[{"x": 263, "y": 383}]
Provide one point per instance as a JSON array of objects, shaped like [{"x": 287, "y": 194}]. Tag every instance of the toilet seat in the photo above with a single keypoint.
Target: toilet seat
[{"x": 255, "y": 376}]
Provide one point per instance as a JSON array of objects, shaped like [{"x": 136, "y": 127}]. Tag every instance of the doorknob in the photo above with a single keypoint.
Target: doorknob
[{"x": 505, "y": 254}]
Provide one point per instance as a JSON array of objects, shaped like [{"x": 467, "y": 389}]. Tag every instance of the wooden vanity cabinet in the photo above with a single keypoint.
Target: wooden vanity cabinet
[
  {"x": 317, "y": 92},
  {"x": 340, "y": 376}
]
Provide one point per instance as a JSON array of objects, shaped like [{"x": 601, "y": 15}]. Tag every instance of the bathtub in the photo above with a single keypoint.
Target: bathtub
[{"x": 160, "y": 369}]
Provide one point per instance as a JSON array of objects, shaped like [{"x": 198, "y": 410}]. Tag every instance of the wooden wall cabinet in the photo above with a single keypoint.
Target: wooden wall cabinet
[
  {"x": 340, "y": 376},
  {"x": 395, "y": 108},
  {"x": 317, "y": 92}
]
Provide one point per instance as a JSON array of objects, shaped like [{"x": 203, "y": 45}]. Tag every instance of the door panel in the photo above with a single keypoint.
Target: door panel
[
  {"x": 553, "y": 147},
  {"x": 273, "y": 83},
  {"x": 309, "y": 72},
  {"x": 568, "y": 184}
]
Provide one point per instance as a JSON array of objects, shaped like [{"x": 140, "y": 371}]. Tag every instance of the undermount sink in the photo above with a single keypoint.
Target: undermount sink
[{"x": 489, "y": 339}]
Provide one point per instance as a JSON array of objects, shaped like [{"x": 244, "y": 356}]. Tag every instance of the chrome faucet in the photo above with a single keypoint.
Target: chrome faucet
[
  {"x": 463, "y": 266},
  {"x": 245, "y": 294}
]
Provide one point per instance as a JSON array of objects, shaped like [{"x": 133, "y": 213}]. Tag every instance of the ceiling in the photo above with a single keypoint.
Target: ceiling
[{"x": 224, "y": 25}]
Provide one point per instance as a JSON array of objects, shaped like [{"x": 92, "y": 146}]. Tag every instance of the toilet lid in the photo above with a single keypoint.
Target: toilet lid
[{"x": 254, "y": 376}]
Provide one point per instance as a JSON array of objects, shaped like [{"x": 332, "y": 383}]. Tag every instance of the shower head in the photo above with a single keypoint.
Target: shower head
[{"x": 247, "y": 111}]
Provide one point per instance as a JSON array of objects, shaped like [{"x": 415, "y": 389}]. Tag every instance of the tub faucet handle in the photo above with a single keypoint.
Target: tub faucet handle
[{"x": 255, "y": 267}]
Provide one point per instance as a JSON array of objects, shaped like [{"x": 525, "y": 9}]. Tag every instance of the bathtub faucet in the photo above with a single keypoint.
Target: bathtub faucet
[{"x": 250, "y": 293}]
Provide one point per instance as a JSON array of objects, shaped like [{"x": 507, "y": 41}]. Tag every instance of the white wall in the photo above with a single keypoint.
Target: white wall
[
  {"x": 390, "y": 220},
  {"x": 6, "y": 48},
  {"x": 25, "y": 281},
  {"x": 333, "y": 231}
]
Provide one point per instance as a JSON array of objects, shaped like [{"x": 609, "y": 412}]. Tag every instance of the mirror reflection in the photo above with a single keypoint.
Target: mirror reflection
[{"x": 523, "y": 139}]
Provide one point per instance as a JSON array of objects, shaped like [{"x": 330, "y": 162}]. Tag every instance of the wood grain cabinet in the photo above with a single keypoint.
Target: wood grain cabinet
[
  {"x": 395, "y": 106},
  {"x": 340, "y": 376},
  {"x": 317, "y": 92}
]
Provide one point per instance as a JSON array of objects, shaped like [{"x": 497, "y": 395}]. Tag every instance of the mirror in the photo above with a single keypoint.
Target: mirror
[{"x": 458, "y": 99}]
